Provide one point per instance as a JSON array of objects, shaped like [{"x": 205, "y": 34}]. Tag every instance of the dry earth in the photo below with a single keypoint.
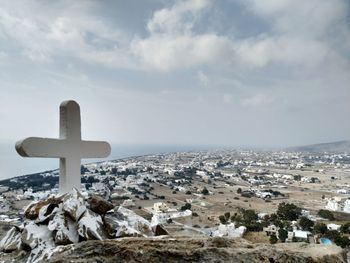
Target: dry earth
[{"x": 184, "y": 249}]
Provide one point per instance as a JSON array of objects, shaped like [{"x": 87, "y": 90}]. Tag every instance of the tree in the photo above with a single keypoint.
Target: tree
[
  {"x": 326, "y": 214},
  {"x": 345, "y": 228},
  {"x": 249, "y": 216},
  {"x": 239, "y": 190},
  {"x": 249, "y": 220},
  {"x": 288, "y": 211},
  {"x": 222, "y": 219},
  {"x": 83, "y": 170},
  {"x": 282, "y": 234},
  {"x": 332, "y": 234},
  {"x": 227, "y": 216},
  {"x": 186, "y": 206},
  {"x": 273, "y": 239},
  {"x": 342, "y": 241},
  {"x": 205, "y": 191},
  {"x": 320, "y": 228},
  {"x": 306, "y": 224}
]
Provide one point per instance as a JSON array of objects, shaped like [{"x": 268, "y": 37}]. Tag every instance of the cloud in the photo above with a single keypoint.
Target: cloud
[
  {"x": 169, "y": 52},
  {"x": 202, "y": 78},
  {"x": 256, "y": 100},
  {"x": 261, "y": 51},
  {"x": 303, "y": 33},
  {"x": 177, "y": 19},
  {"x": 227, "y": 98},
  {"x": 306, "y": 34}
]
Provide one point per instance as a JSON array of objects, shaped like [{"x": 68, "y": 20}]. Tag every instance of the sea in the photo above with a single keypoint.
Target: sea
[{"x": 12, "y": 165}]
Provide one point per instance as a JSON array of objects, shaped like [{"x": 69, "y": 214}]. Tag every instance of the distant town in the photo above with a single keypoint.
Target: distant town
[{"x": 264, "y": 197}]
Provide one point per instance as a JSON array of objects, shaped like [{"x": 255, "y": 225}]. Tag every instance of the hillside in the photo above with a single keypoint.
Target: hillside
[
  {"x": 340, "y": 146},
  {"x": 183, "y": 249}
]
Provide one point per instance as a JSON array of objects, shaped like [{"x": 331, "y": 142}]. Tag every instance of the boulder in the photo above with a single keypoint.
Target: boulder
[
  {"x": 100, "y": 205},
  {"x": 125, "y": 231},
  {"x": 90, "y": 226},
  {"x": 64, "y": 229},
  {"x": 46, "y": 213},
  {"x": 74, "y": 205},
  {"x": 32, "y": 210},
  {"x": 159, "y": 230},
  {"x": 111, "y": 225},
  {"x": 34, "y": 234},
  {"x": 11, "y": 241},
  {"x": 136, "y": 222}
]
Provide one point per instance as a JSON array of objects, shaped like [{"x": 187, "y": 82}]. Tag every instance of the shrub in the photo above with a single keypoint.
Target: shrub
[
  {"x": 186, "y": 206},
  {"x": 305, "y": 223},
  {"x": 282, "y": 234},
  {"x": 320, "y": 228},
  {"x": 288, "y": 212},
  {"x": 222, "y": 219},
  {"x": 342, "y": 241},
  {"x": 273, "y": 239},
  {"x": 326, "y": 214},
  {"x": 345, "y": 229},
  {"x": 205, "y": 191}
]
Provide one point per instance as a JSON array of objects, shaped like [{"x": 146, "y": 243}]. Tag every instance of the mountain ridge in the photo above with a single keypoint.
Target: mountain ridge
[{"x": 337, "y": 146}]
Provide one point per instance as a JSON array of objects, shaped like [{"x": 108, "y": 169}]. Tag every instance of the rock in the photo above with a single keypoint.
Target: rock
[
  {"x": 195, "y": 249},
  {"x": 46, "y": 213},
  {"x": 34, "y": 234},
  {"x": 32, "y": 210},
  {"x": 100, "y": 205},
  {"x": 90, "y": 226},
  {"x": 111, "y": 225},
  {"x": 125, "y": 231},
  {"x": 136, "y": 222},
  {"x": 159, "y": 230},
  {"x": 11, "y": 241},
  {"x": 74, "y": 205},
  {"x": 64, "y": 229}
]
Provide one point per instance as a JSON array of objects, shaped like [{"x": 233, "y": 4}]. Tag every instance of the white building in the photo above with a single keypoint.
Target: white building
[
  {"x": 160, "y": 207},
  {"x": 333, "y": 227},
  {"x": 346, "y": 208},
  {"x": 333, "y": 204}
]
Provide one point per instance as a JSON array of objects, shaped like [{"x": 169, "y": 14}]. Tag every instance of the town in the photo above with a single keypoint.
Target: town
[{"x": 261, "y": 196}]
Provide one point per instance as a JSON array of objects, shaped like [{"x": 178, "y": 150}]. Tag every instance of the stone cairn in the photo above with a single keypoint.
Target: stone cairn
[{"x": 67, "y": 219}]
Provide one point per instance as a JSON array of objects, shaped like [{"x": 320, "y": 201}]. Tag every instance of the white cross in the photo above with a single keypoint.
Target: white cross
[{"x": 69, "y": 147}]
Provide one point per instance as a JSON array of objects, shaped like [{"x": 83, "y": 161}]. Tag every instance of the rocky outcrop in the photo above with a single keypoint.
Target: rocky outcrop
[
  {"x": 90, "y": 226},
  {"x": 12, "y": 240},
  {"x": 69, "y": 219},
  {"x": 100, "y": 205},
  {"x": 189, "y": 249}
]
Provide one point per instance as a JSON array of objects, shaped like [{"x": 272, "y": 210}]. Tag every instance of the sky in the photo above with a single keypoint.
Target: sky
[{"x": 199, "y": 72}]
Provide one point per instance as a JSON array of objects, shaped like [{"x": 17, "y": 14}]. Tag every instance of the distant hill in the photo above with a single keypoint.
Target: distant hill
[{"x": 340, "y": 146}]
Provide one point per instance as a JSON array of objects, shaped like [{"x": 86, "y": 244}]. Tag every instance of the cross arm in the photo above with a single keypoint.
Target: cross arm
[
  {"x": 41, "y": 147},
  {"x": 95, "y": 149}
]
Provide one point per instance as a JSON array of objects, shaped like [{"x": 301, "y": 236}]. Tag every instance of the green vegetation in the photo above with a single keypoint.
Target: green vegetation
[
  {"x": 320, "y": 228},
  {"x": 306, "y": 224},
  {"x": 326, "y": 214},
  {"x": 205, "y": 191},
  {"x": 288, "y": 211},
  {"x": 282, "y": 234},
  {"x": 186, "y": 206},
  {"x": 273, "y": 239}
]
